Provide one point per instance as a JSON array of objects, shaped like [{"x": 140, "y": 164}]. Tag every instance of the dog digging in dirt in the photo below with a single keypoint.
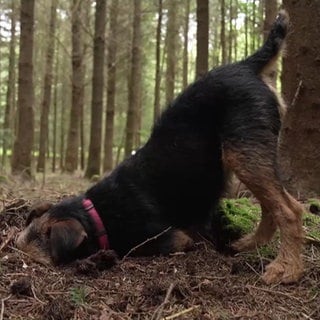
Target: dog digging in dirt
[{"x": 227, "y": 120}]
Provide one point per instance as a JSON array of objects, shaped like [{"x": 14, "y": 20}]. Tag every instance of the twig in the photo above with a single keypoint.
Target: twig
[
  {"x": 312, "y": 239},
  {"x": 11, "y": 234},
  {"x": 2, "y": 306},
  {"x": 178, "y": 314},
  {"x": 294, "y": 100},
  {"x": 146, "y": 241},
  {"x": 159, "y": 310},
  {"x": 35, "y": 296}
]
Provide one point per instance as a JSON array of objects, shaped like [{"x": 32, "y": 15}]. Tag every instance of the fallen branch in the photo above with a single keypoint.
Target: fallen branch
[
  {"x": 146, "y": 241},
  {"x": 2, "y": 306},
  {"x": 159, "y": 310}
]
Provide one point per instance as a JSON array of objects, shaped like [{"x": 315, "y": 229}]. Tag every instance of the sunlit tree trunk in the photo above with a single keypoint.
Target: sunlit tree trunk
[
  {"x": 10, "y": 94},
  {"x": 223, "y": 32},
  {"x": 22, "y": 151},
  {"x": 185, "y": 45},
  {"x": 156, "y": 110}
]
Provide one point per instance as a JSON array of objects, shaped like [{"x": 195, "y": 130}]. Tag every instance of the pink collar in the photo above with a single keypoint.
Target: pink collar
[{"x": 101, "y": 232}]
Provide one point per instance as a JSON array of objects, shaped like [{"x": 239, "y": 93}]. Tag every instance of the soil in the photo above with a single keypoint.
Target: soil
[{"x": 200, "y": 284}]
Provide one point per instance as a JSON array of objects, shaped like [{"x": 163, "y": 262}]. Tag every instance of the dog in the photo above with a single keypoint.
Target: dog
[{"x": 228, "y": 120}]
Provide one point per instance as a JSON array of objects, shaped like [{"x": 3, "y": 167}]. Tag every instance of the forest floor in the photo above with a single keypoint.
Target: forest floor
[{"x": 200, "y": 284}]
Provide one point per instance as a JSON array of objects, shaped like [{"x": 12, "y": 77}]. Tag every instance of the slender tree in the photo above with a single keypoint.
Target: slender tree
[
  {"x": 94, "y": 161},
  {"x": 111, "y": 87},
  {"x": 46, "y": 100},
  {"x": 10, "y": 94},
  {"x": 156, "y": 110},
  {"x": 185, "y": 45},
  {"x": 72, "y": 152},
  {"x": 134, "y": 93},
  {"x": 223, "y": 32},
  {"x": 171, "y": 38},
  {"x": 22, "y": 151},
  {"x": 202, "y": 37}
]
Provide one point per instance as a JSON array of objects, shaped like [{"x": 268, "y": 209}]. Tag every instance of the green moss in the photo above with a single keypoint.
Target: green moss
[
  {"x": 311, "y": 223},
  {"x": 241, "y": 214}
]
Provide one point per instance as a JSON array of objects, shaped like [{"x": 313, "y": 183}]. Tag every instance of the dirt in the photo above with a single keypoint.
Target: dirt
[{"x": 200, "y": 284}]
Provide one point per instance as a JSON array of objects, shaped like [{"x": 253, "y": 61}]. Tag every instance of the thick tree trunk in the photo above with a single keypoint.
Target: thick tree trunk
[
  {"x": 94, "y": 161},
  {"x": 299, "y": 150},
  {"x": 10, "y": 95},
  {"x": 156, "y": 109},
  {"x": 111, "y": 87},
  {"x": 202, "y": 37},
  {"x": 22, "y": 151},
  {"x": 45, "y": 105},
  {"x": 134, "y": 94},
  {"x": 185, "y": 45},
  {"x": 72, "y": 151},
  {"x": 171, "y": 38},
  {"x": 55, "y": 113}
]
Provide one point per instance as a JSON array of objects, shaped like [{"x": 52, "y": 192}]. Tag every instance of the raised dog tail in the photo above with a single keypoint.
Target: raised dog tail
[{"x": 264, "y": 59}]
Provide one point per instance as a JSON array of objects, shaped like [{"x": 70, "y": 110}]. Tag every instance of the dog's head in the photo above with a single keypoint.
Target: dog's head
[{"x": 58, "y": 234}]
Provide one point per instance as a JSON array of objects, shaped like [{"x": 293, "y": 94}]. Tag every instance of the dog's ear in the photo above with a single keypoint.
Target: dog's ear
[
  {"x": 65, "y": 236},
  {"x": 37, "y": 211}
]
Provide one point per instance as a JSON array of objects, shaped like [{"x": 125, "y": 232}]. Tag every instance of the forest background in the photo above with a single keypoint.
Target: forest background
[{"x": 82, "y": 81}]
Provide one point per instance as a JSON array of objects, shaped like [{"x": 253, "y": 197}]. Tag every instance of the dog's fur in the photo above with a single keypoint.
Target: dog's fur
[{"x": 227, "y": 120}]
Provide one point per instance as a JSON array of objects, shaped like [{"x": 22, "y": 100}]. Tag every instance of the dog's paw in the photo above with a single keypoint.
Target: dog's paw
[
  {"x": 245, "y": 243},
  {"x": 283, "y": 272}
]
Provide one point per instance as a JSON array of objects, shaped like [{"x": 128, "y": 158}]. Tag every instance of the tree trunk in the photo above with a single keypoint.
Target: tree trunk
[
  {"x": 134, "y": 93},
  {"x": 72, "y": 151},
  {"x": 94, "y": 161},
  {"x": 223, "y": 32},
  {"x": 55, "y": 113},
  {"x": 202, "y": 37},
  {"x": 271, "y": 10},
  {"x": 45, "y": 105},
  {"x": 156, "y": 110},
  {"x": 299, "y": 149},
  {"x": 111, "y": 87},
  {"x": 230, "y": 47},
  {"x": 185, "y": 45},
  {"x": 171, "y": 37},
  {"x": 10, "y": 95},
  {"x": 22, "y": 151}
]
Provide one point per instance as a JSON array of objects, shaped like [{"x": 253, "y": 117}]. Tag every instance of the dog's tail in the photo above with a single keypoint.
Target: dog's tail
[{"x": 264, "y": 59}]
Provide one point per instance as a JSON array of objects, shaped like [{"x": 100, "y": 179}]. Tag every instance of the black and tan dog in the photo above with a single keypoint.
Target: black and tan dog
[{"x": 227, "y": 120}]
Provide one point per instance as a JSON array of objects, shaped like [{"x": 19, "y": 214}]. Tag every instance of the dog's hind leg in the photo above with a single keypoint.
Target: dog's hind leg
[{"x": 255, "y": 166}]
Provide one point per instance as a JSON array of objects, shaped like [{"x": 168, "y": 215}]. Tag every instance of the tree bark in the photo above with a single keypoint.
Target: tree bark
[
  {"x": 94, "y": 161},
  {"x": 72, "y": 151},
  {"x": 46, "y": 101},
  {"x": 202, "y": 37},
  {"x": 134, "y": 94},
  {"x": 22, "y": 151},
  {"x": 299, "y": 148},
  {"x": 8, "y": 125},
  {"x": 111, "y": 87},
  {"x": 156, "y": 110}
]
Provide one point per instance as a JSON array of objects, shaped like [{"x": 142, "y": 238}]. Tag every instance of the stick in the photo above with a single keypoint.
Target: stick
[
  {"x": 159, "y": 310},
  {"x": 296, "y": 94},
  {"x": 2, "y": 306},
  {"x": 146, "y": 241},
  {"x": 176, "y": 315}
]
